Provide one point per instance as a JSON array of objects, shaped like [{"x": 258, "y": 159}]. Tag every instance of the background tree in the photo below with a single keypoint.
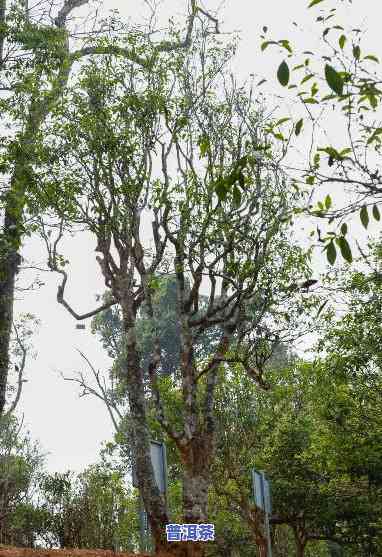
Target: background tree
[
  {"x": 21, "y": 349},
  {"x": 20, "y": 465},
  {"x": 296, "y": 433},
  {"x": 339, "y": 81},
  {"x": 92, "y": 509},
  {"x": 351, "y": 427}
]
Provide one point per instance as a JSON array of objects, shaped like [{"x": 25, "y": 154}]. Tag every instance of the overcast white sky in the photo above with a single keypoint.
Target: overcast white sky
[{"x": 70, "y": 428}]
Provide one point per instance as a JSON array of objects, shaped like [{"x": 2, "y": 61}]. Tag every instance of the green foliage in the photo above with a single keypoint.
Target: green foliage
[
  {"x": 20, "y": 466},
  {"x": 93, "y": 509},
  {"x": 345, "y": 249},
  {"x": 376, "y": 213},
  {"x": 299, "y": 126},
  {"x": 108, "y": 326},
  {"x": 314, "y": 2},
  {"x": 342, "y": 41},
  {"x": 334, "y": 80},
  {"x": 349, "y": 435},
  {"x": 283, "y": 74},
  {"x": 303, "y": 433},
  {"x": 331, "y": 252},
  {"x": 364, "y": 216},
  {"x": 355, "y": 95}
]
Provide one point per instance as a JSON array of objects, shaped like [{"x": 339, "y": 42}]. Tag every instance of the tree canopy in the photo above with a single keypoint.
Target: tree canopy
[{"x": 144, "y": 141}]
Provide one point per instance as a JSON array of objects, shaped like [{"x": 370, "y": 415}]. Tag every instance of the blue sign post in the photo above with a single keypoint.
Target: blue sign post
[
  {"x": 159, "y": 464},
  {"x": 262, "y": 498}
]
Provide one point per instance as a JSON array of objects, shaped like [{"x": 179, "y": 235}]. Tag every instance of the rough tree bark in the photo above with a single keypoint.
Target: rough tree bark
[
  {"x": 154, "y": 503},
  {"x": 301, "y": 540},
  {"x": 3, "y": 7}
]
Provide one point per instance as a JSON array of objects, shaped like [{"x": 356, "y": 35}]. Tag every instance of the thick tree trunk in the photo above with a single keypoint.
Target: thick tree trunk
[
  {"x": 3, "y": 6},
  {"x": 9, "y": 264},
  {"x": 263, "y": 548},
  {"x": 196, "y": 481},
  {"x": 134, "y": 376},
  {"x": 260, "y": 541},
  {"x": 301, "y": 541},
  {"x": 255, "y": 520},
  {"x": 10, "y": 243},
  {"x": 195, "y": 495},
  {"x": 300, "y": 550},
  {"x": 196, "y": 458},
  {"x": 196, "y": 478}
]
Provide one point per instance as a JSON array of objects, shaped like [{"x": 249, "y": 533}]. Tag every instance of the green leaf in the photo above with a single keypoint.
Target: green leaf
[
  {"x": 314, "y": 2},
  {"x": 356, "y": 52},
  {"x": 241, "y": 180},
  {"x": 345, "y": 249},
  {"x": 306, "y": 78},
  {"x": 204, "y": 145},
  {"x": 328, "y": 97},
  {"x": 181, "y": 122},
  {"x": 331, "y": 151},
  {"x": 331, "y": 252},
  {"x": 310, "y": 180},
  {"x": 299, "y": 125},
  {"x": 376, "y": 213},
  {"x": 284, "y": 43},
  {"x": 344, "y": 229},
  {"x": 281, "y": 121},
  {"x": 374, "y": 135},
  {"x": 342, "y": 41},
  {"x": 310, "y": 101},
  {"x": 242, "y": 163},
  {"x": 328, "y": 202},
  {"x": 321, "y": 308},
  {"x": 373, "y": 101},
  {"x": 371, "y": 57},
  {"x": 334, "y": 80},
  {"x": 221, "y": 189},
  {"x": 265, "y": 44},
  {"x": 283, "y": 74},
  {"x": 364, "y": 216},
  {"x": 231, "y": 178},
  {"x": 236, "y": 196}
]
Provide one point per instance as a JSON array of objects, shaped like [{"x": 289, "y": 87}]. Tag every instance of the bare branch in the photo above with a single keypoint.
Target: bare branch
[
  {"x": 20, "y": 370},
  {"x": 163, "y": 46},
  {"x": 67, "y": 8},
  {"x": 101, "y": 393},
  {"x": 54, "y": 266}
]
